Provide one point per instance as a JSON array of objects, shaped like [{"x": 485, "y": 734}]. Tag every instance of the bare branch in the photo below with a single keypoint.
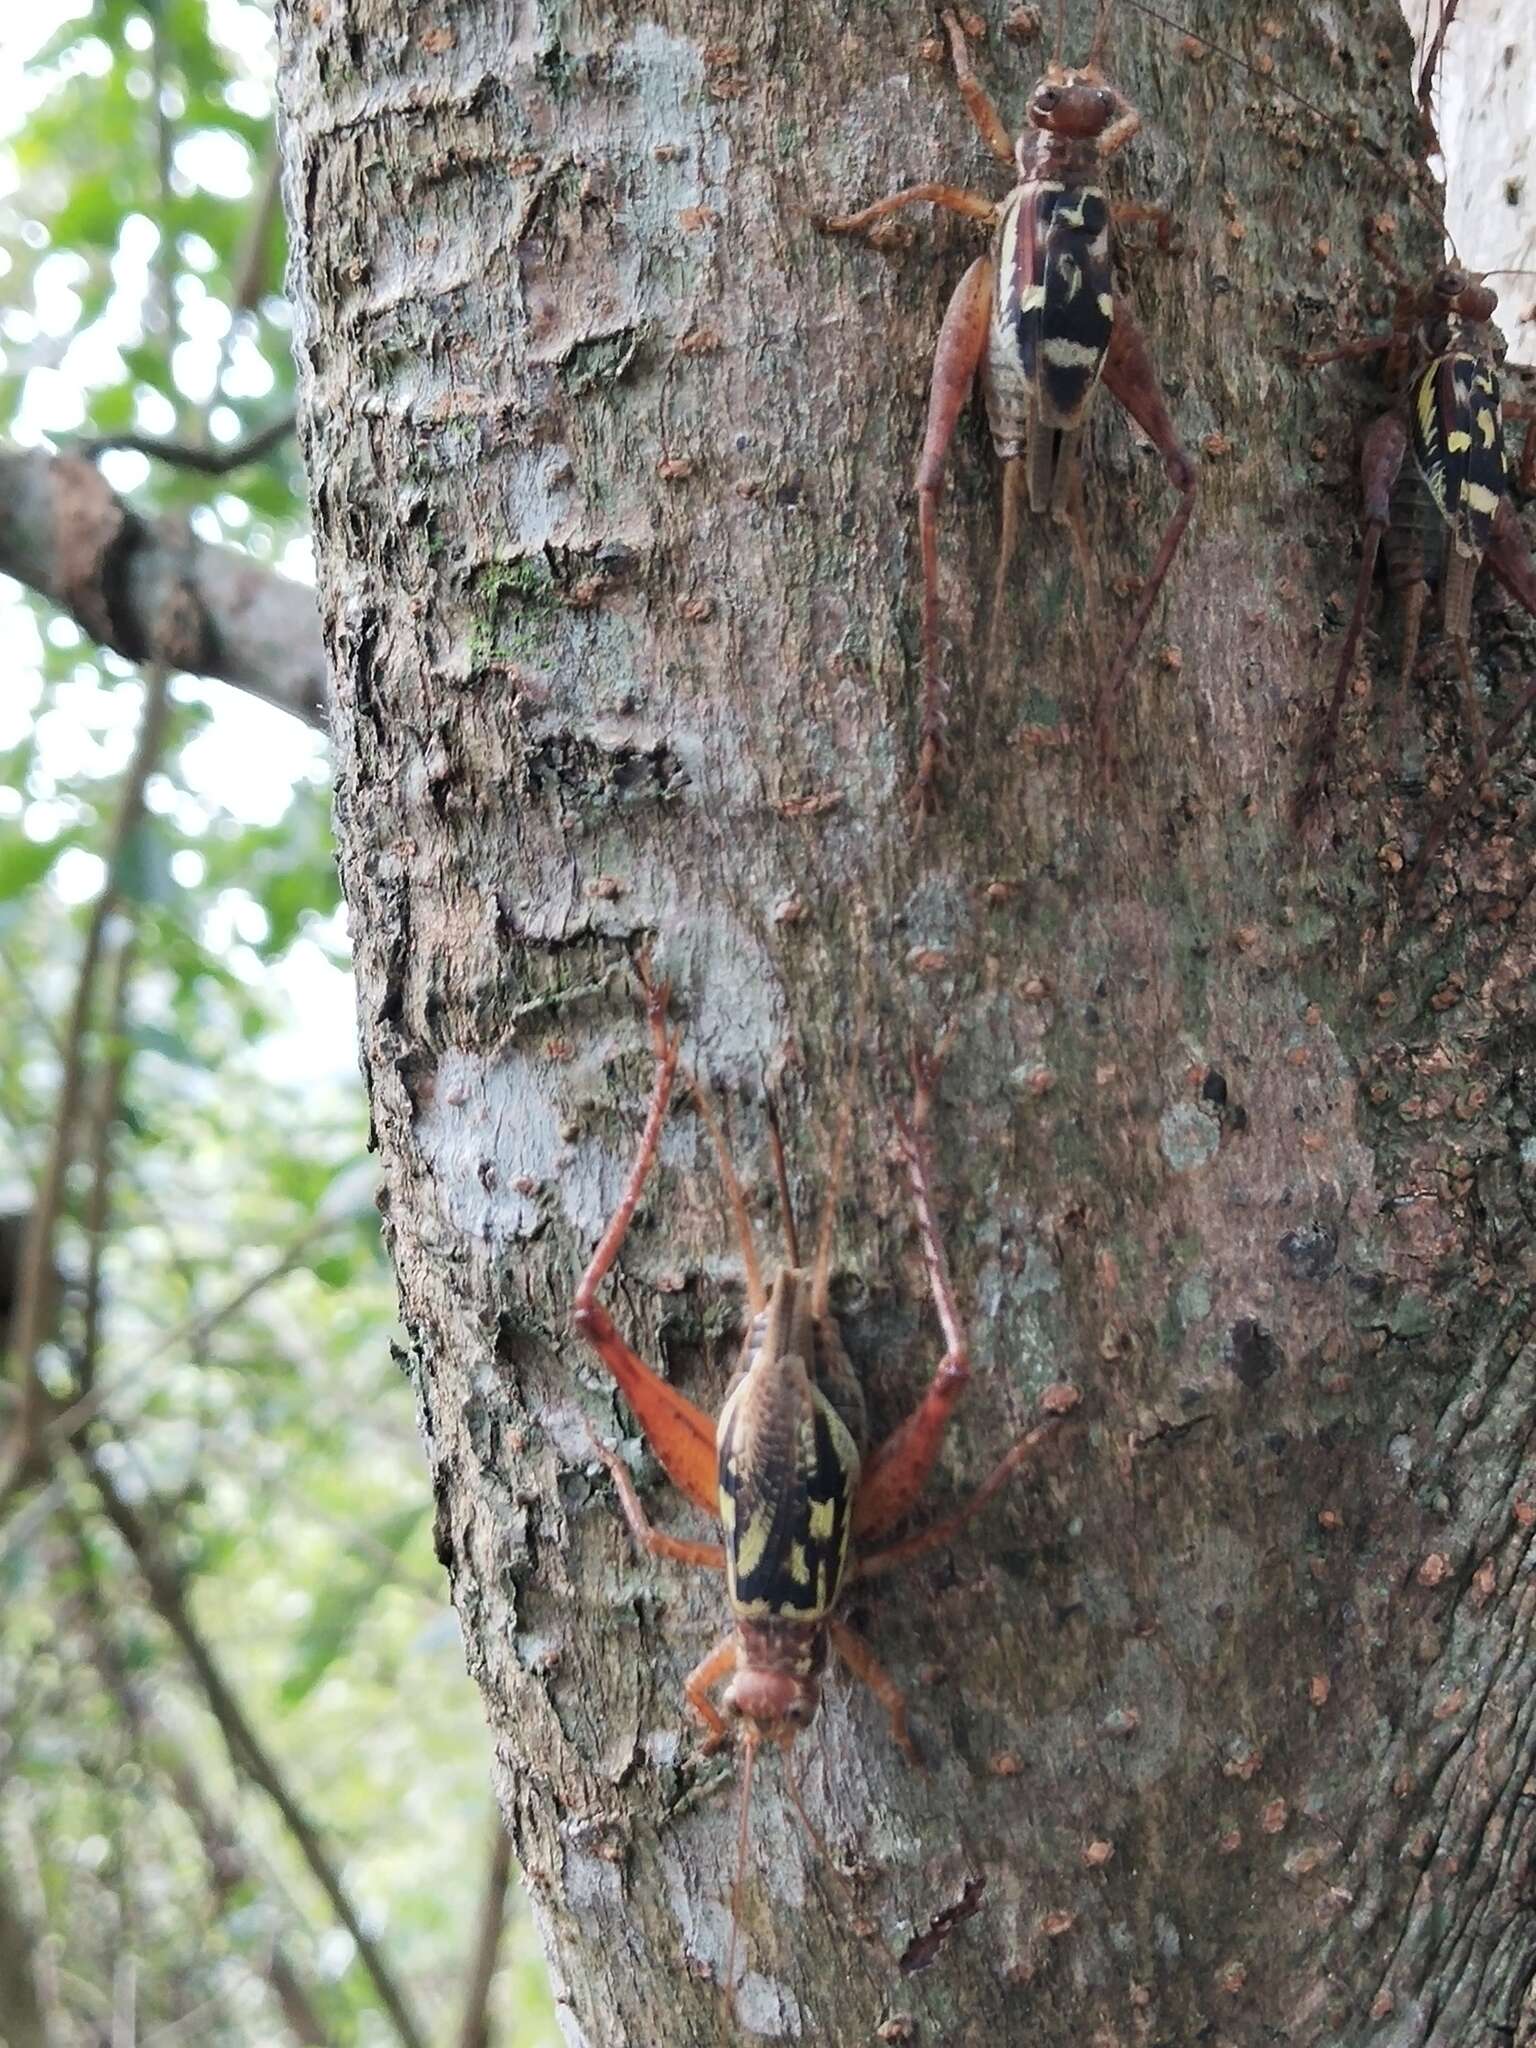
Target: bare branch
[
  {"x": 207, "y": 461},
  {"x": 229, "y": 1865},
  {"x": 36, "y": 1283},
  {"x": 153, "y": 592},
  {"x": 475, "y": 2025},
  {"x": 247, "y": 1752}
]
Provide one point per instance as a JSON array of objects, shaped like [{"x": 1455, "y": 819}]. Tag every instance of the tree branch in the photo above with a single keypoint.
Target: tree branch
[
  {"x": 474, "y": 2025},
  {"x": 229, "y": 1865},
  {"x": 246, "y": 1750},
  {"x": 151, "y": 591},
  {"x": 212, "y": 461},
  {"x": 35, "y": 1288}
]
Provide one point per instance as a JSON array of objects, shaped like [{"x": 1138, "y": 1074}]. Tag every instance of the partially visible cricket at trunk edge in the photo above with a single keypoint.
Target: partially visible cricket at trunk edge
[
  {"x": 804, "y": 1506},
  {"x": 1041, "y": 320},
  {"x": 1434, "y": 476}
]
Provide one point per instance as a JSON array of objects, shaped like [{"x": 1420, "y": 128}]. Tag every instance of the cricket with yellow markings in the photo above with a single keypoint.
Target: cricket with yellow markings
[{"x": 804, "y": 1506}]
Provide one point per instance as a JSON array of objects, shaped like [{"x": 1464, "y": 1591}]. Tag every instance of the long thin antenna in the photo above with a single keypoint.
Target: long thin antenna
[
  {"x": 757, "y": 1294},
  {"x": 786, "y": 1206},
  {"x": 1100, "y": 29},
  {"x": 818, "y": 1843},
  {"x": 1061, "y": 31},
  {"x": 1356, "y": 139},
  {"x": 749, "y": 1758}
]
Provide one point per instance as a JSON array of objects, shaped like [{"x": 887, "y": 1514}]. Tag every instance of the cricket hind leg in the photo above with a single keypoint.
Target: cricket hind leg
[
  {"x": 962, "y": 343},
  {"x": 1382, "y": 458},
  {"x": 1129, "y": 374},
  {"x": 1509, "y": 557},
  {"x": 1012, "y": 494},
  {"x": 1060, "y": 1401},
  {"x": 899, "y": 1469},
  {"x": 681, "y": 1435}
]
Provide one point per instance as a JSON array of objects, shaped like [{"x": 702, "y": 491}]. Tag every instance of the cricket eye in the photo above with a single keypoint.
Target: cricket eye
[
  {"x": 1106, "y": 100},
  {"x": 1048, "y": 101},
  {"x": 1449, "y": 284},
  {"x": 798, "y": 1714}
]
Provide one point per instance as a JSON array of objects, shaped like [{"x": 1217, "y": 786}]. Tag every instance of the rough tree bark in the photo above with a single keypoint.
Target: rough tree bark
[{"x": 611, "y": 457}]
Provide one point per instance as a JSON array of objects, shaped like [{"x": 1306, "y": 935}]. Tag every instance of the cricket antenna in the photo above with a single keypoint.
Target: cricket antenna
[
  {"x": 786, "y": 1206},
  {"x": 1100, "y": 30},
  {"x": 1061, "y": 31},
  {"x": 757, "y": 1294},
  {"x": 818, "y": 1843},
  {"x": 743, "y": 1835},
  {"x": 1352, "y": 136}
]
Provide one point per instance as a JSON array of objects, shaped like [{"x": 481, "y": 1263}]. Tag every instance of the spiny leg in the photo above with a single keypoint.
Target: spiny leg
[
  {"x": 647, "y": 1536},
  {"x": 1385, "y": 446},
  {"x": 988, "y": 121},
  {"x": 862, "y": 1662},
  {"x": 681, "y": 1435},
  {"x": 962, "y": 343},
  {"x": 1129, "y": 374},
  {"x": 1013, "y": 491},
  {"x": 701, "y": 1682},
  {"x": 889, "y": 1555},
  {"x": 954, "y": 198},
  {"x": 898, "y": 1470}
]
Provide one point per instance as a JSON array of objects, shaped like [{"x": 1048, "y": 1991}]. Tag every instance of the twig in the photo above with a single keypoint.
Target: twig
[
  {"x": 35, "y": 1285},
  {"x": 98, "y": 1208},
  {"x": 475, "y": 2025},
  {"x": 246, "y": 1750},
  {"x": 179, "y": 454},
  {"x": 229, "y": 1866},
  {"x": 192, "y": 1331}
]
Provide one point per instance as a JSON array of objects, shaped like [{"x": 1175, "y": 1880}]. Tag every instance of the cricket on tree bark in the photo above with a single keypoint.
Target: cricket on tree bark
[
  {"x": 1040, "y": 321},
  {"x": 606, "y": 443},
  {"x": 804, "y": 1505}
]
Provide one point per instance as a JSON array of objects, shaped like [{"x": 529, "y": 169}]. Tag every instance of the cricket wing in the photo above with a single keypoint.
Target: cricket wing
[{"x": 788, "y": 1473}]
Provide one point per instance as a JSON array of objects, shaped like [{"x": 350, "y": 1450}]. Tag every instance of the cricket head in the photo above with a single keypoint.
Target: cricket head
[
  {"x": 1464, "y": 295},
  {"x": 774, "y": 1704},
  {"x": 1078, "y": 104}
]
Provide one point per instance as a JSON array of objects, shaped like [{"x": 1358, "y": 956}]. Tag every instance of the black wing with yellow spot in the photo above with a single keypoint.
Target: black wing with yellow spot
[
  {"x": 1458, "y": 444},
  {"x": 788, "y": 1472},
  {"x": 1058, "y": 294}
]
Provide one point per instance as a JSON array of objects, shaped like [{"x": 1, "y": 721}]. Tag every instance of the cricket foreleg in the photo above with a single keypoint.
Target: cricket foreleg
[
  {"x": 862, "y": 1662},
  {"x": 962, "y": 342},
  {"x": 701, "y": 1682},
  {"x": 990, "y": 124},
  {"x": 954, "y": 198}
]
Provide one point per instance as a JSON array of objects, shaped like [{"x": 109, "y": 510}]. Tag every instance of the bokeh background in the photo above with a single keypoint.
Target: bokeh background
[{"x": 247, "y": 1467}]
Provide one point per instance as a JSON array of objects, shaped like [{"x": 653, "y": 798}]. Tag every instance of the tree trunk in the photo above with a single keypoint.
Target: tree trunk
[{"x": 611, "y": 454}]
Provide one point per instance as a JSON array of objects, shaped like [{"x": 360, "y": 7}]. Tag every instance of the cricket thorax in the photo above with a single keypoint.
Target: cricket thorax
[{"x": 788, "y": 1464}]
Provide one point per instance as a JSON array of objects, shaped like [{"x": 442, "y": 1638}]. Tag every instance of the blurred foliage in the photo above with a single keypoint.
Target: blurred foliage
[{"x": 231, "y": 1322}]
